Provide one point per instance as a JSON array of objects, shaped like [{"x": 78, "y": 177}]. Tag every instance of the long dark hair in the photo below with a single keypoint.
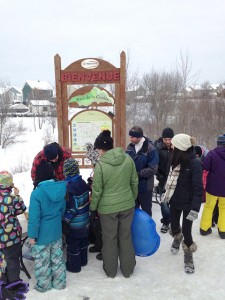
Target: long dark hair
[{"x": 181, "y": 158}]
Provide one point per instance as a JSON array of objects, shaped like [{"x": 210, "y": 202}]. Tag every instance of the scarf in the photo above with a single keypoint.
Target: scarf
[{"x": 171, "y": 183}]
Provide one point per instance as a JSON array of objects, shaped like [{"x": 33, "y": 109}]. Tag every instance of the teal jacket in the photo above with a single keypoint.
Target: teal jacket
[
  {"x": 115, "y": 183},
  {"x": 47, "y": 205}
]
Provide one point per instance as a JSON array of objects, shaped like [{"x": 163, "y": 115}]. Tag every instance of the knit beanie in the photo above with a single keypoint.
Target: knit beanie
[
  {"x": 136, "y": 131},
  {"x": 6, "y": 180},
  {"x": 198, "y": 151},
  {"x": 167, "y": 133},
  {"x": 51, "y": 151},
  {"x": 183, "y": 141},
  {"x": 104, "y": 141},
  {"x": 70, "y": 167},
  {"x": 221, "y": 140},
  {"x": 44, "y": 171}
]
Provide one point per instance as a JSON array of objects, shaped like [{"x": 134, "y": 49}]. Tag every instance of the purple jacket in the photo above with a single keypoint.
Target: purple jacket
[{"x": 215, "y": 164}]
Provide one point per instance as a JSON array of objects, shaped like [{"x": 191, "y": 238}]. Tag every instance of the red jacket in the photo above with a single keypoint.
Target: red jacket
[{"x": 59, "y": 171}]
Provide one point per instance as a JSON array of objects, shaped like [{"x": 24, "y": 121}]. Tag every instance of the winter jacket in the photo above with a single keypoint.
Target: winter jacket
[
  {"x": 115, "y": 183},
  {"x": 215, "y": 165},
  {"x": 57, "y": 166},
  {"x": 78, "y": 202},
  {"x": 146, "y": 162},
  {"x": 165, "y": 155},
  {"x": 11, "y": 207},
  {"x": 189, "y": 190},
  {"x": 47, "y": 206}
]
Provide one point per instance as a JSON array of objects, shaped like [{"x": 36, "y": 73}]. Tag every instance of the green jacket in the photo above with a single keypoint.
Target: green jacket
[{"x": 115, "y": 183}]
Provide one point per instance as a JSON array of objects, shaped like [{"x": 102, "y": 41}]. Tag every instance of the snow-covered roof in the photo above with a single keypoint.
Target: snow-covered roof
[
  {"x": 214, "y": 86},
  {"x": 195, "y": 87},
  {"x": 40, "y": 85},
  {"x": 40, "y": 102},
  {"x": 18, "y": 106}
]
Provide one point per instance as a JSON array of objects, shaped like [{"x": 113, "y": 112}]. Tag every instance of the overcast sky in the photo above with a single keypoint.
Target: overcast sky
[{"x": 152, "y": 31}]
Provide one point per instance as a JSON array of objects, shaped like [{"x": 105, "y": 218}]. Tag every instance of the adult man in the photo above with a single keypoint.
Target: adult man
[
  {"x": 54, "y": 154},
  {"x": 114, "y": 191},
  {"x": 146, "y": 160},
  {"x": 165, "y": 151}
]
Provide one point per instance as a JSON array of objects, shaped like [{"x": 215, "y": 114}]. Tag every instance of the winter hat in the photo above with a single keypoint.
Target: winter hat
[
  {"x": 91, "y": 154},
  {"x": 167, "y": 133},
  {"x": 6, "y": 180},
  {"x": 183, "y": 141},
  {"x": 104, "y": 141},
  {"x": 70, "y": 167},
  {"x": 136, "y": 131},
  {"x": 51, "y": 151},
  {"x": 198, "y": 151},
  {"x": 44, "y": 171},
  {"x": 221, "y": 140}
]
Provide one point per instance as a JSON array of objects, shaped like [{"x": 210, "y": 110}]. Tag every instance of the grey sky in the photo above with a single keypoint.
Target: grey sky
[{"x": 154, "y": 32}]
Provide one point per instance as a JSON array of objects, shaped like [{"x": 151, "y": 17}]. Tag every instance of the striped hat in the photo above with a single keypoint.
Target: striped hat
[
  {"x": 70, "y": 167},
  {"x": 221, "y": 140},
  {"x": 6, "y": 180}
]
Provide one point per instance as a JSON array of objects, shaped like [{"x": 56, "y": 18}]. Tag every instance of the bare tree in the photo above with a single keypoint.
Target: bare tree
[
  {"x": 12, "y": 133},
  {"x": 5, "y": 102}
]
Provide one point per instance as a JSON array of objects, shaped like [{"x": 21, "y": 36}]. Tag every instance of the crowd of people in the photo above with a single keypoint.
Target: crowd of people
[{"x": 66, "y": 212}]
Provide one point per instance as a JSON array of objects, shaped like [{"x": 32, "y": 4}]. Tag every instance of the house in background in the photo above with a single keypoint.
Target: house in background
[
  {"x": 18, "y": 108},
  {"x": 221, "y": 90},
  {"x": 40, "y": 107},
  {"x": 11, "y": 94},
  {"x": 35, "y": 90}
]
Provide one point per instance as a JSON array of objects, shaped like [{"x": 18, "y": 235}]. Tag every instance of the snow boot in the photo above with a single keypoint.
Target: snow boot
[
  {"x": 205, "y": 232},
  {"x": 178, "y": 237},
  {"x": 189, "y": 267}
]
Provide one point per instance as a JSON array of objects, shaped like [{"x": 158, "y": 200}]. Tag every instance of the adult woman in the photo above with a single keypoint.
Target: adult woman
[{"x": 184, "y": 192}]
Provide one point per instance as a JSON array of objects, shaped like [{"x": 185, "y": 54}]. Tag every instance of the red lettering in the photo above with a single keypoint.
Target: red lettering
[
  {"x": 80, "y": 77},
  {"x": 74, "y": 77},
  {"x": 109, "y": 75},
  {"x": 64, "y": 77},
  {"x": 116, "y": 75},
  {"x": 95, "y": 76},
  {"x": 88, "y": 76},
  {"x": 101, "y": 76}
]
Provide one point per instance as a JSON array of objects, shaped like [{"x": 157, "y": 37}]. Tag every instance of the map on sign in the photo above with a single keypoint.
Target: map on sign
[{"x": 86, "y": 126}]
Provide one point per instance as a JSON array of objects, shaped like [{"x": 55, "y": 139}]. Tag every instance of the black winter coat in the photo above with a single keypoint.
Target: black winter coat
[{"x": 189, "y": 190}]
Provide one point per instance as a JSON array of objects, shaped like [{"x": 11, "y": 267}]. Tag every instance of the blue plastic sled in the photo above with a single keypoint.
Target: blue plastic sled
[{"x": 145, "y": 238}]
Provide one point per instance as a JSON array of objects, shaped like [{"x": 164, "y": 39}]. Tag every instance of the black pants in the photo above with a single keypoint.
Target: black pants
[
  {"x": 145, "y": 201},
  {"x": 186, "y": 225},
  {"x": 12, "y": 255}
]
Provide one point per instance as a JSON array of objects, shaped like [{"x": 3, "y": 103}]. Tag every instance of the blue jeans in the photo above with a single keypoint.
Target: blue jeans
[{"x": 165, "y": 210}]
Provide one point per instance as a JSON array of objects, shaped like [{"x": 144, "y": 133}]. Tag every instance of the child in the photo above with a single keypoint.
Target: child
[
  {"x": 47, "y": 206},
  {"x": 76, "y": 217},
  {"x": 12, "y": 205}
]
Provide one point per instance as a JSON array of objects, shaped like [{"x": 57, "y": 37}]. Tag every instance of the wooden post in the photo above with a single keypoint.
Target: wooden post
[
  {"x": 57, "y": 60},
  {"x": 123, "y": 99}
]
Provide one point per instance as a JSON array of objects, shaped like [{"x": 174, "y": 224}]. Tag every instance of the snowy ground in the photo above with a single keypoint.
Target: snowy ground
[{"x": 159, "y": 276}]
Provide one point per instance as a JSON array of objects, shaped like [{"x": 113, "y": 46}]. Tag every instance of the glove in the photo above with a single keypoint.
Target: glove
[
  {"x": 193, "y": 215},
  {"x": 93, "y": 215},
  {"x": 14, "y": 290}
]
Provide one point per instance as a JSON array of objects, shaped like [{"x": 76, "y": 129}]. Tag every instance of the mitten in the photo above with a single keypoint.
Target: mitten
[
  {"x": 193, "y": 215},
  {"x": 93, "y": 215},
  {"x": 14, "y": 290}
]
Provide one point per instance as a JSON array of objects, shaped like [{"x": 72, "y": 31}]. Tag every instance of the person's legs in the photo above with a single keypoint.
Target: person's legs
[
  {"x": 109, "y": 223},
  {"x": 73, "y": 257},
  {"x": 221, "y": 218},
  {"x": 58, "y": 265},
  {"x": 175, "y": 230},
  {"x": 145, "y": 200},
  {"x": 165, "y": 210},
  {"x": 42, "y": 267},
  {"x": 126, "y": 250},
  {"x": 12, "y": 255},
  {"x": 206, "y": 220}
]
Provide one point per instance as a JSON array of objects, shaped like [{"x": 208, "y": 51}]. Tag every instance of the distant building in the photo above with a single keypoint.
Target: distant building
[
  {"x": 40, "y": 107},
  {"x": 11, "y": 94},
  {"x": 221, "y": 90},
  {"x": 18, "y": 108},
  {"x": 36, "y": 90}
]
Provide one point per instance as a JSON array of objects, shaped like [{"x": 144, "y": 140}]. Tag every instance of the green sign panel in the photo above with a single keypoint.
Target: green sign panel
[{"x": 95, "y": 95}]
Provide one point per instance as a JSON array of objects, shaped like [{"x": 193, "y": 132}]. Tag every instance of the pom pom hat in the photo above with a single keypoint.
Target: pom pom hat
[
  {"x": 6, "y": 180},
  {"x": 183, "y": 141},
  {"x": 104, "y": 141}
]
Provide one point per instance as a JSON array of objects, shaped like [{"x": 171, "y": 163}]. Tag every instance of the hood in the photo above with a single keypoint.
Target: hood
[
  {"x": 220, "y": 151},
  {"x": 114, "y": 157},
  {"x": 53, "y": 190}
]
